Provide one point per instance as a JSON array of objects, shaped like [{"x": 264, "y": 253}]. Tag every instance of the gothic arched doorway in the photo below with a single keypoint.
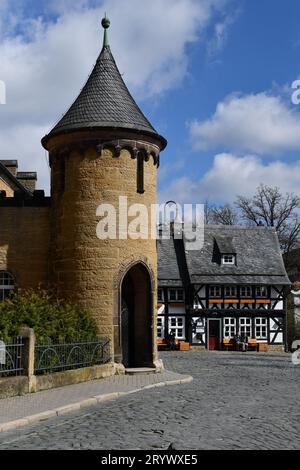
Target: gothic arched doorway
[{"x": 136, "y": 318}]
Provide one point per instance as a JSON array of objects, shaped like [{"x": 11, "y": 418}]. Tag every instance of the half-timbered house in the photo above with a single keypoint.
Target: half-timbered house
[{"x": 235, "y": 285}]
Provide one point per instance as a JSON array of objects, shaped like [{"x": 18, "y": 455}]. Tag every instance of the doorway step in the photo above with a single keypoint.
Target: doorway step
[{"x": 140, "y": 370}]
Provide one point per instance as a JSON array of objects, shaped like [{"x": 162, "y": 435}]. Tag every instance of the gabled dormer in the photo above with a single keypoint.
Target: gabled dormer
[{"x": 225, "y": 251}]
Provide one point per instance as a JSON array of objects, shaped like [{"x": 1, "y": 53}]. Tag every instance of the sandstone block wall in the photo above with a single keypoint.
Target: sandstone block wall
[
  {"x": 24, "y": 244},
  {"x": 86, "y": 269},
  {"x": 4, "y": 187}
]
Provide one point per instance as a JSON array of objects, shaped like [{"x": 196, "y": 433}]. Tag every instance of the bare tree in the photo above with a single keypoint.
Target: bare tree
[
  {"x": 272, "y": 208},
  {"x": 224, "y": 215},
  {"x": 220, "y": 215},
  {"x": 208, "y": 212}
]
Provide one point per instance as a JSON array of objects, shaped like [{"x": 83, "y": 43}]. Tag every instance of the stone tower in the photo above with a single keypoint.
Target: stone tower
[{"x": 104, "y": 148}]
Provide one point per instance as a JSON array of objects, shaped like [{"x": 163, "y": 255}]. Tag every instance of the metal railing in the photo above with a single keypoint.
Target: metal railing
[
  {"x": 11, "y": 357},
  {"x": 54, "y": 357}
]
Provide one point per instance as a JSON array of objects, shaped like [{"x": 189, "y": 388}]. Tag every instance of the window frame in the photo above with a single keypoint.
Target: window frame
[
  {"x": 246, "y": 296},
  {"x": 231, "y": 326},
  {"x": 175, "y": 328},
  {"x": 259, "y": 325},
  {"x": 226, "y": 257},
  {"x": 247, "y": 325},
  {"x": 176, "y": 290},
  {"x": 215, "y": 296},
  {"x": 9, "y": 286},
  {"x": 231, "y": 296},
  {"x": 260, "y": 296},
  {"x": 160, "y": 327}
]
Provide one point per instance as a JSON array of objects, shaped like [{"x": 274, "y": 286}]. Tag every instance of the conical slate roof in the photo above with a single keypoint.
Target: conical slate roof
[{"x": 104, "y": 101}]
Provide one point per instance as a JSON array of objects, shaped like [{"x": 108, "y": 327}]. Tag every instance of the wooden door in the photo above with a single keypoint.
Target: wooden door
[{"x": 214, "y": 335}]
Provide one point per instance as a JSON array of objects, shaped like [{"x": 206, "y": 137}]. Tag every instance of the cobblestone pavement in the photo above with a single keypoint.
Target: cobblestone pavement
[
  {"x": 236, "y": 401},
  {"x": 33, "y": 404}
]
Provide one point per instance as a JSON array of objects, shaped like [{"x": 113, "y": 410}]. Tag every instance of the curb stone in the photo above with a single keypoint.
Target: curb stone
[{"x": 88, "y": 402}]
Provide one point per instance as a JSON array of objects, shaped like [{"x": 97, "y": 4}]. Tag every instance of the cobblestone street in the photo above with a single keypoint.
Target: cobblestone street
[{"x": 236, "y": 401}]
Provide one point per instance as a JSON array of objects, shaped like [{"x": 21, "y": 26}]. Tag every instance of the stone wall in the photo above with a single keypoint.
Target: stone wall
[
  {"x": 21, "y": 385},
  {"x": 24, "y": 244},
  {"x": 5, "y": 187},
  {"x": 275, "y": 348}
]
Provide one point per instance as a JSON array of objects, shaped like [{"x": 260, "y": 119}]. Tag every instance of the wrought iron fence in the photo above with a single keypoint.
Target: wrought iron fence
[
  {"x": 11, "y": 357},
  {"x": 50, "y": 357}
]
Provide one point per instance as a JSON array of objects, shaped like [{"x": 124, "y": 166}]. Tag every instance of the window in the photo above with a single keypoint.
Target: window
[
  {"x": 229, "y": 327},
  {"x": 261, "y": 291},
  {"x": 140, "y": 174},
  {"x": 246, "y": 291},
  {"x": 215, "y": 291},
  {"x": 180, "y": 295},
  {"x": 261, "y": 328},
  {"x": 176, "y": 295},
  {"x": 230, "y": 291},
  {"x": 7, "y": 284},
  {"x": 160, "y": 327},
  {"x": 245, "y": 327},
  {"x": 177, "y": 326},
  {"x": 160, "y": 295},
  {"x": 228, "y": 259}
]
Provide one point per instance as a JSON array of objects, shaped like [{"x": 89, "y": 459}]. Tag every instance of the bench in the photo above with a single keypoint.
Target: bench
[
  {"x": 162, "y": 344},
  {"x": 228, "y": 343}
]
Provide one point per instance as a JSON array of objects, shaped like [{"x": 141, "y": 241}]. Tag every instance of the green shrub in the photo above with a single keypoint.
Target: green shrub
[{"x": 51, "y": 319}]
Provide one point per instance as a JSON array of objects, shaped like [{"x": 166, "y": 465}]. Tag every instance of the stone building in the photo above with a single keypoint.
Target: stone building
[
  {"x": 103, "y": 148},
  {"x": 235, "y": 284},
  {"x": 12, "y": 180}
]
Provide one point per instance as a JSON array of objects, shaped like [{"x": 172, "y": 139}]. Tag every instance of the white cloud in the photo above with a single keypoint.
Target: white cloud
[
  {"x": 44, "y": 64},
  {"x": 221, "y": 32},
  {"x": 22, "y": 143},
  {"x": 230, "y": 176},
  {"x": 259, "y": 123}
]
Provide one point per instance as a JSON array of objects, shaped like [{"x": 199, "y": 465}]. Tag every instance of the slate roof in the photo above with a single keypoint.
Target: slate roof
[
  {"x": 225, "y": 245},
  {"x": 105, "y": 102},
  {"x": 258, "y": 256},
  {"x": 172, "y": 269}
]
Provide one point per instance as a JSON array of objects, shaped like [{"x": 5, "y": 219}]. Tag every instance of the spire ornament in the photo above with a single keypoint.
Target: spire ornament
[{"x": 105, "y": 24}]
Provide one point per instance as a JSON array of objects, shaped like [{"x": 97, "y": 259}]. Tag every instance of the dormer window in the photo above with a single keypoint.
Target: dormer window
[
  {"x": 228, "y": 259},
  {"x": 224, "y": 249}
]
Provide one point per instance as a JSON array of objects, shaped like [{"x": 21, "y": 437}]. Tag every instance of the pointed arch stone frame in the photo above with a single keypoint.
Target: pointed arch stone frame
[{"x": 124, "y": 268}]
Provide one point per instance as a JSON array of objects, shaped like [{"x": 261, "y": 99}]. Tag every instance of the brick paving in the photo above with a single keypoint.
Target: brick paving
[{"x": 236, "y": 401}]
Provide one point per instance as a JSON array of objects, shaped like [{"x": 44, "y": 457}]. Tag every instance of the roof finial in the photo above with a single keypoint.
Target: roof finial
[{"x": 105, "y": 24}]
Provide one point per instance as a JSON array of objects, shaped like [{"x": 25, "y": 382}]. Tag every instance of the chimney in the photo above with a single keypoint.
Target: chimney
[
  {"x": 28, "y": 179},
  {"x": 11, "y": 165}
]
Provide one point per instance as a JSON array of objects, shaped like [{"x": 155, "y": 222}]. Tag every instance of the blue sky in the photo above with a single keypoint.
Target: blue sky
[{"x": 213, "y": 76}]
